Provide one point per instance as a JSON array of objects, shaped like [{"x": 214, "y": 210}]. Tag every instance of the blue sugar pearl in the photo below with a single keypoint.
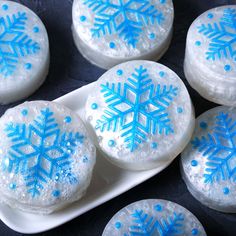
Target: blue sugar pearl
[
  {"x": 226, "y": 190},
  {"x": 119, "y": 72},
  {"x": 12, "y": 186},
  {"x": 111, "y": 143},
  {"x": 154, "y": 145},
  {"x": 112, "y": 45},
  {"x": 152, "y": 36},
  {"x": 203, "y": 125},
  {"x": 162, "y": 1},
  {"x": 5, "y": 7},
  {"x": 194, "y": 231},
  {"x": 210, "y": 15},
  {"x": 227, "y": 67},
  {"x": 56, "y": 193},
  {"x": 28, "y": 66},
  {"x": 36, "y": 29},
  {"x": 83, "y": 18},
  {"x": 197, "y": 43},
  {"x": 85, "y": 159},
  {"x": 24, "y": 112},
  {"x": 194, "y": 163},
  {"x": 162, "y": 73},
  {"x": 94, "y": 106},
  {"x": 179, "y": 109},
  {"x": 158, "y": 207},
  {"x": 118, "y": 225},
  {"x": 67, "y": 119}
]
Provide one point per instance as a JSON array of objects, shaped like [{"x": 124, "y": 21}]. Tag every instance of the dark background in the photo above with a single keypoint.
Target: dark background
[{"x": 69, "y": 71}]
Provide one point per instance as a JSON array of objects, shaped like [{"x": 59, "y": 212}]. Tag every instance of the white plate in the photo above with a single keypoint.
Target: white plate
[{"x": 108, "y": 182}]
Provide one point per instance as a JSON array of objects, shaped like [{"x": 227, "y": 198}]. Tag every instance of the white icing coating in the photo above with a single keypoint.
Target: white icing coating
[
  {"x": 154, "y": 217},
  {"x": 51, "y": 145},
  {"x": 166, "y": 98},
  {"x": 24, "y": 52},
  {"x": 210, "y": 62},
  {"x": 153, "y": 37},
  {"x": 208, "y": 162}
]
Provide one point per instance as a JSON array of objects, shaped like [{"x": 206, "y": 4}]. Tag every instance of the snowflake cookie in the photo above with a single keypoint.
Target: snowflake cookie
[
  {"x": 24, "y": 52},
  {"x": 141, "y": 113},
  {"x": 154, "y": 217},
  {"x": 47, "y": 157},
  {"x": 209, "y": 161},
  {"x": 109, "y": 32},
  {"x": 210, "y": 59}
]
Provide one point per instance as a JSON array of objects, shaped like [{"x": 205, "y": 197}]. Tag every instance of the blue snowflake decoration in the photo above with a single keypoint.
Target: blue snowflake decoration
[
  {"x": 146, "y": 225},
  {"x": 220, "y": 150},
  {"x": 127, "y": 18},
  {"x": 140, "y": 114},
  {"x": 41, "y": 152},
  {"x": 222, "y": 36},
  {"x": 14, "y": 43}
]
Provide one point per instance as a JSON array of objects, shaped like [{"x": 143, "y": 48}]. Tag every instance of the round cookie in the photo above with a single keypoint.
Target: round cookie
[
  {"x": 153, "y": 217},
  {"x": 24, "y": 52},
  {"x": 110, "y": 32},
  {"x": 210, "y": 58},
  {"x": 208, "y": 162},
  {"x": 46, "y": 159},
  {"x": 141, "y": 114}
]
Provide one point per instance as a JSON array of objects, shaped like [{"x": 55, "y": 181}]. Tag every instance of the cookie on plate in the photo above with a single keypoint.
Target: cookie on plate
[
  {"x": 141, "y": 115},
  {"x": 47, "y": 158}
]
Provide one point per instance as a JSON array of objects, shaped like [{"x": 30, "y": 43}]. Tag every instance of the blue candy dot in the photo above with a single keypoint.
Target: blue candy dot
[
  {"x": 154, "y": 145},
  {"x": 28, "y": 66},
  {"x": 226, "y": 190},
  {"x": 83, "y": 18},
  {"x": 36, "y": 29},
  {"x": 85, "y": 159},
  {"x": 162, "y": 1},
  {"x": 12, "y": 186},
  {"x": 67, "y": 119},
  {"x": 112, "y": 45},
  {"x": 194, "y": 163},
  {"x": 162, "y": 73},
  {"x": 56, "y": 193},
  {"x": 210, "y": 15},
  {"x": 24, "y": 112},
  {"x": 5, "y": 7},
  {"x": 118, "y": 225},
  {"x": 227, "y": 67},
  {"x": 179, "y": 109},
  {"x": 197, "y": 43},
  {"x": 111, "y": 143},
  {"x": 158, "y": 207},
  {"x": 119, "y": 72},
  {"x": 152, "y": 36},
  {"x": 94, "y": 106},
  {"x": 203, "y": 125},
  {"x": 194, "y": 231}
]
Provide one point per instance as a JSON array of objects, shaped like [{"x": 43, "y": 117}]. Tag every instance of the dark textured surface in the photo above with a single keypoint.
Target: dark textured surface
[{"x": 69, "y": 71}]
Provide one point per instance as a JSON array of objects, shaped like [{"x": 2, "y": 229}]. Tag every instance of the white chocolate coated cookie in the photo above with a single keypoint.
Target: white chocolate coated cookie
[
  {"x": 154, "y": 217},
  {"x": 109, "y": 32},
  {"x": 141, "y": 114},
  {"x": 208, "y": 162},
  {"x": 46, "y": 159}
]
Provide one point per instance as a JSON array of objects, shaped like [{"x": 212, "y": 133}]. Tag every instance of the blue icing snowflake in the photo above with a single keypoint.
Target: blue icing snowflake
[
  {"x": 141, "y": 115},
  {"x": 146, "y": 225},
  {"x": 222, "y": 36},
  {"x": 41, "y": 152},
  {"x": 123, "y": 17},
  {"x": 220, "y": 150},
  {"x": 14, "y": 43}
]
